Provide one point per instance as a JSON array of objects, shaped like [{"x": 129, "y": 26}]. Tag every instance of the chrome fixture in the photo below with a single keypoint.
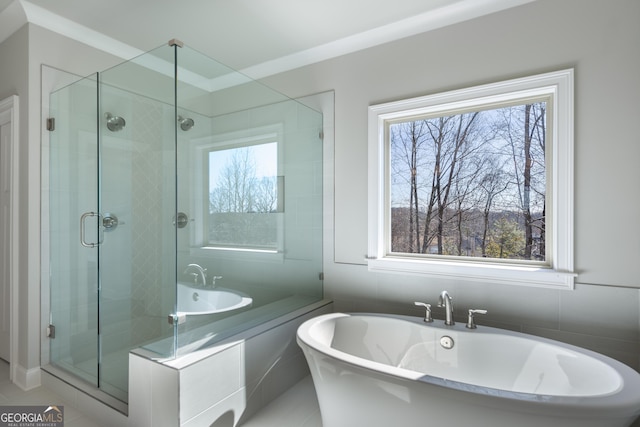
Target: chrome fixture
[
  {"x": 200, "y": 272},
  {"x": 447, "y": 342},
  {"x": 108, "y": 221},
  {"x": 213, "y": 280},
  {"x": 186, "y": 123},
  {"x": 114, "y": 123},
  {"x": 427, "y": 314},
  {"x": 471, "y": 324},
  {"x": 444, "y": 300},
  {"x": 181, "y": 220}
]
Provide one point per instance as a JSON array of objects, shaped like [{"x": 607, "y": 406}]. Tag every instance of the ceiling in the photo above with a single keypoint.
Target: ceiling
[{"x": 259, "y": 37}]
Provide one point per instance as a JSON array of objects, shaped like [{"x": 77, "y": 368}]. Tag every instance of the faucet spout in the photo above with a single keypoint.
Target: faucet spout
[
  {"x": 445, "y": 300},
  {"x": 200, "y": 272}
]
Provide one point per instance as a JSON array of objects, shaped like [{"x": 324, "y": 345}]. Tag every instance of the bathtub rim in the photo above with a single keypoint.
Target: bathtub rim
[
  {"x": 623, "y": 402},
  {"x": 245, "y": 300}
]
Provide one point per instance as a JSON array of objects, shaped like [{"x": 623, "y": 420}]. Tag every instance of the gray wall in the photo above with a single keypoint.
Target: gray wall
[
  {"x": 600, "y": 40},
  {"x": 23, "y": 54},
  {"x": 13, "y": 69}
]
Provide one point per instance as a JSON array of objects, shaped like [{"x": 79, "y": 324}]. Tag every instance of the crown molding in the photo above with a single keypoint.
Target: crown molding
[
  {"x": 71, "y": 29},
  {"x": 20, "y": 12},
  {"x": 463, "y": 10}
]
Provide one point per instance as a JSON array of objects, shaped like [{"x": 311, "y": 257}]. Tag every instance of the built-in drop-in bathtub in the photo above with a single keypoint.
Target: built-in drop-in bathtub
[
  {"x": 382, "y": 370},
  {"x": 193, "y": 301}
]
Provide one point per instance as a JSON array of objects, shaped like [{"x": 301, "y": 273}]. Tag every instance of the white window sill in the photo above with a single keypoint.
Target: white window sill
[
  {"x": 475, "y": 271},
  {"x": 239, "y": 254}
]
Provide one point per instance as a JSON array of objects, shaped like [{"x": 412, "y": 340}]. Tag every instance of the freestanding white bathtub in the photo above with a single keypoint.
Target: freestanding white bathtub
[{"x": 376, "y": 370}]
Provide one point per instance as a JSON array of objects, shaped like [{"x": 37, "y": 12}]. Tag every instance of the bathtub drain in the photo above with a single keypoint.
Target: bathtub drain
[{"x": 446, "y": 342}]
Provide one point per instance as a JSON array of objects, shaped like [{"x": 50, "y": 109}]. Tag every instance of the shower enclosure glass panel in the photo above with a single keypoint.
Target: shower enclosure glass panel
[
  {"x": 113, "y": 201},
  {"x": 250, "y": 182},
  {"x": 138, "y": 187},
  {"x": 74, "y": 192},
  {"x": 176, "y": 181}
]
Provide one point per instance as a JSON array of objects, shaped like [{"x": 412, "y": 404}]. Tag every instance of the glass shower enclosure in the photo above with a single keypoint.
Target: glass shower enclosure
[{"x": 185, "y": 206}]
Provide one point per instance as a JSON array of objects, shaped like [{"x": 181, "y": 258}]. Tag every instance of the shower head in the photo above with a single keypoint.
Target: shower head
[
  {"x": 114, "y": 123},
  {"x": 185, "y": 123}
]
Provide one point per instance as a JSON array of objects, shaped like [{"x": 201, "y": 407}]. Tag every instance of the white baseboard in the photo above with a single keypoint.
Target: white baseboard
[{"x": 27, "y": 379}]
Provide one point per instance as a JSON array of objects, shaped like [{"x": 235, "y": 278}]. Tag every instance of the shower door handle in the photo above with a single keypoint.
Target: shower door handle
[{"x": 83, "y": 240}]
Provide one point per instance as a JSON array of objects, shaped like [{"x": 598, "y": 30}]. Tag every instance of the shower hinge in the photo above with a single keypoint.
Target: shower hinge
[
  {"x": 321, "y": 135},
  {"x": 321, "y": 276},
  {"x": 177, "y": 319},
  {"x": 51, "y": 331},
  {"x": 51, "y": 124}
]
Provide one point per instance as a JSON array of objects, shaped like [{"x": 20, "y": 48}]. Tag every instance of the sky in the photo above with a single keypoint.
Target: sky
[{"x": 266, "y": 156}]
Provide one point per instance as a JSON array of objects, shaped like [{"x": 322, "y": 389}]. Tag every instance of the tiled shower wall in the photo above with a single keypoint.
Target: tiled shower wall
[{"x": 150, "y": 291}]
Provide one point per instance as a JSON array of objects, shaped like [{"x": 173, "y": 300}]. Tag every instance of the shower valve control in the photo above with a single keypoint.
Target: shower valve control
[
  {"x": 181, "y": 220},
  {"x": 109, "y": 222}
]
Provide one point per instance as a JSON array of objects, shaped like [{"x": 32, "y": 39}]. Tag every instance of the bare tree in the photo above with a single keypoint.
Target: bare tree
[
  {"x": 492, "y": 184},
  {"x": 467, "y": 188},
  {"x": 236, "y": 183},
  {"x": 527, "y": 164},
  {"x": 406, "y": 141},
  {"x": 240, "y": 205},
  {"x": 266, "y": 194},
  {"x": 455, "y": 177},
  {"x": 450, "y": 136}
]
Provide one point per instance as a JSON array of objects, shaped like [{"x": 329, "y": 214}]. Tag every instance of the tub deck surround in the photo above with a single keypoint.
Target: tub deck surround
[
  {"x": 221, "y": 384},
  {"x": 381, "y": 370}
]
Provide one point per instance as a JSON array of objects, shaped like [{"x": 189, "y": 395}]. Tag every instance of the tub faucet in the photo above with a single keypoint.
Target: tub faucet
[
  {"x": 201, "y": 272},
  {"x": 427, "y": 313},
  {"x": 213, "y": 280},
  {"x": 471, "y": 323},
  {"x": 444, "y": 300}
]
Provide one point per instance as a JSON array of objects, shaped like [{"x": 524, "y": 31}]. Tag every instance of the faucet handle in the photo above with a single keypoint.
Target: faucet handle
[
  {"x": 427, "y": 314},
  {"x": 214, "y": 278},
  {"x": 471, "y": 324}
]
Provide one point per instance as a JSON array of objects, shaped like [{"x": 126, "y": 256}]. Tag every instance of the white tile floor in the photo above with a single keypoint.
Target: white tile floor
[
  {"x": 10, "y": 394},
  {"x": 298, "y": 407}
]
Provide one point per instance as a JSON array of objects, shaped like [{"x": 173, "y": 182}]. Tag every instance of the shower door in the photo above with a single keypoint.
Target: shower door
[
  {"x": 112, "y": 240},
  {"x": 73, "y": 191}
]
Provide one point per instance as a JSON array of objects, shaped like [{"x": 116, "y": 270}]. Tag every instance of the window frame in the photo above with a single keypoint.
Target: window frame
[
  {"x": 200, "y": 150},
  {"x": 557, "y": 272}
]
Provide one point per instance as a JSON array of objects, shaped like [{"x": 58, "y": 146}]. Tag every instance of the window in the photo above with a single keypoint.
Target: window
[
  {"x": 243, "y": 196},
  {"x": 242, "y": 204},
  {"x": 476, "y": 183}
]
